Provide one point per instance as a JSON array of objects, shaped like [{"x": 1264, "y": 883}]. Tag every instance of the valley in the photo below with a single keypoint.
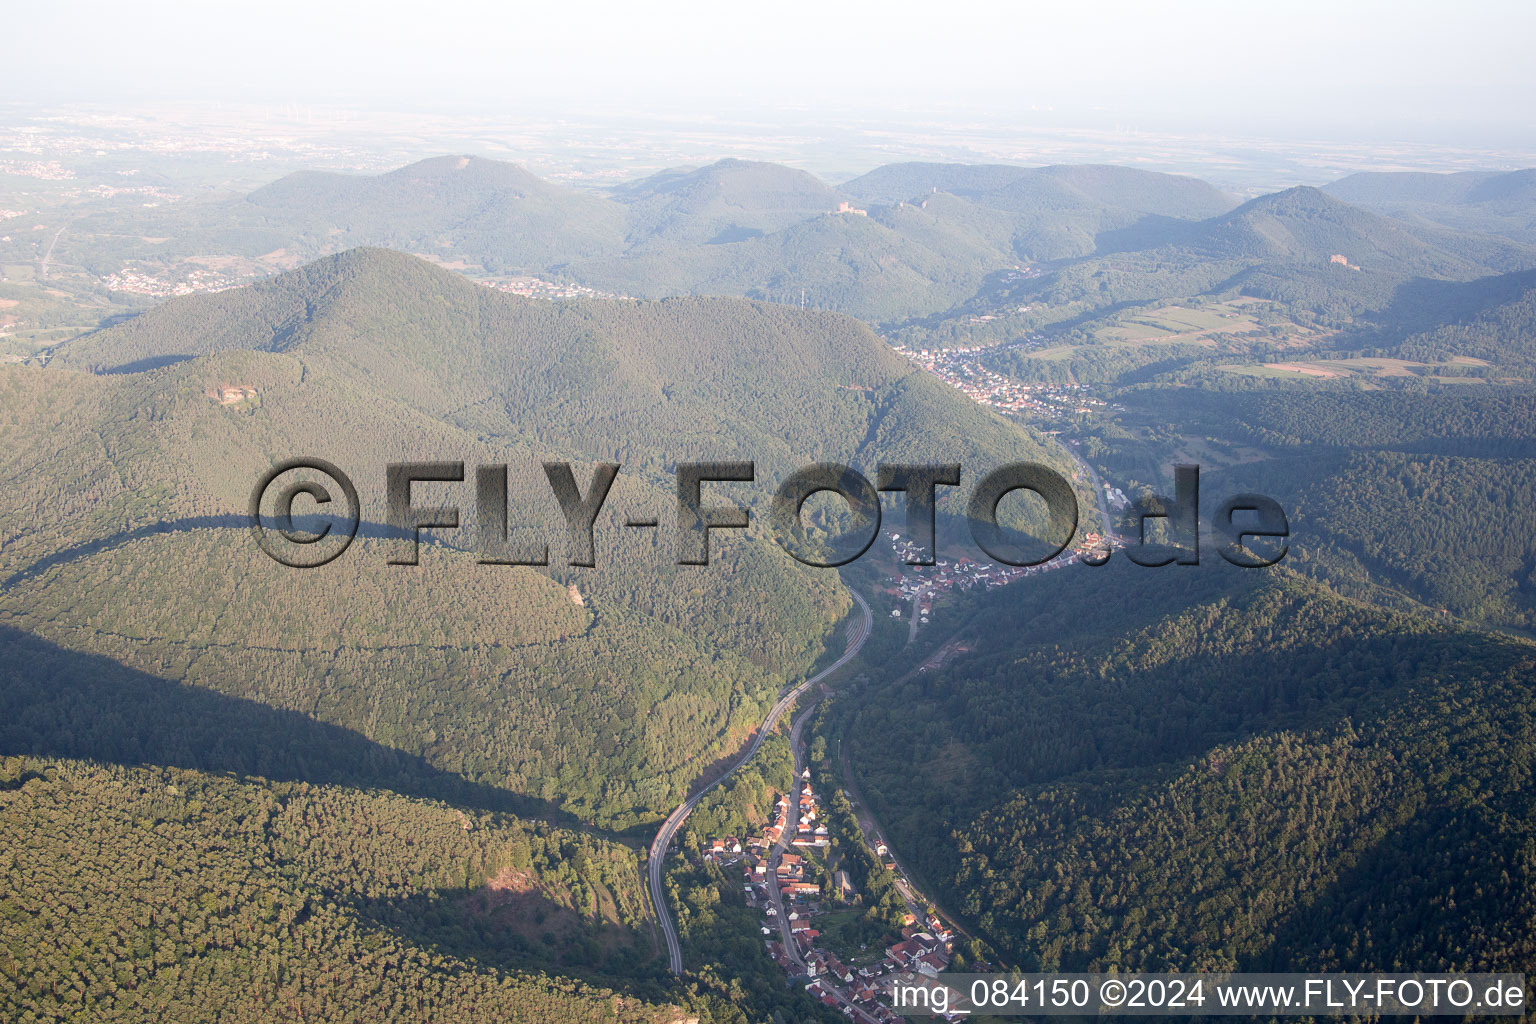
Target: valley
[{"x": 500, "y": 788}]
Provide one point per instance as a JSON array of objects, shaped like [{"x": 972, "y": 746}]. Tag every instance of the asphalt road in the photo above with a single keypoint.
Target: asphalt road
[
  {"x": 791, "y": 824},
  {"x": 1097, "y": 484},
  {"x": 664, "y": 837},
  {"x": 675, "y": 820},
  {"x": 917, "y": 901},
  {"x": 48, "y": 254}
]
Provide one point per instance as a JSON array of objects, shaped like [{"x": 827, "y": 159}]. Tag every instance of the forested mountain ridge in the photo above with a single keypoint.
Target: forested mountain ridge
[
  {"x": 1130, "y": 768},
  {"x": 875, "y": 267},
  {"x": 1377, "y": 188},
  {"x": 1492, "y": 320},
  {"x": 1412, "y": 498},
  {"x": 738, "y": 227},
  {"x": 604, "y": 710},
  {"x": 1491, "y": 202},
  {"x": 1319, "y": 258},
  {"x": 894, "y": 183},
  {"x": 1241, "y": 779},
  {"x": 493, "y": 212},
  {"x": 1053, "y": 213},
  {"x": 164, "y": 893},
  {"x": 728, "y": 201},
  {"x": 1304, "y": 224},
  {"x": 1003, "y": 187},
  {"x": 646, "y": 381},
  {"x": 918, "y": 252}
]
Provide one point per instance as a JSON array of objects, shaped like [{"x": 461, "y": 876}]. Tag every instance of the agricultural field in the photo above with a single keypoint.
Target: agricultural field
[
  {"x": 34, "y": 316},
  {"x": 1366, "y": 369},
  {"x": 1184, "y": 322},
  {"x": 1218, "y": 326}
]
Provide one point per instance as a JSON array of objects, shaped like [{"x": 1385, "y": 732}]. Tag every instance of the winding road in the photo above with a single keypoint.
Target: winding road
[
  {"x": 663, "y": 841},
  {"x": 664, "y": 837}
]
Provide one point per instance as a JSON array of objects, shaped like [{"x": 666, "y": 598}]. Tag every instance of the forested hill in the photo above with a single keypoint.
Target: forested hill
[
  {"x": 1305, "y": 224},
  {"x": 1492, "y": 320},
  {"x": 1410, "y": 498},
  {"x": 495, "y": 213},
  {"x": 166, "y": 894},
  {"x": 888, "y": 265},
  {"x": 1186, "y": 772},
  {"x": 643, "y": 381},
  {"x": 445, "y": 178},
  {"x": 893, "y": 183},
  {"x": 604, "y": 710},
  {"x": 904, "y": 241},
  {"x": 916, "y": 252},
  {"x": 1005, "y": 187},
  {"x": 498, "y": 211},
  {"x": 1491, "y": 202},
  {"x": 728, "y": 201},
  {"x": 1319, "y": 257},
  {"x": 1060, "y": 212}
]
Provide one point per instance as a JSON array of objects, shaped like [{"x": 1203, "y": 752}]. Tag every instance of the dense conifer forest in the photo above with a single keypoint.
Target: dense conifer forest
[{"x": 231, "y": 790}]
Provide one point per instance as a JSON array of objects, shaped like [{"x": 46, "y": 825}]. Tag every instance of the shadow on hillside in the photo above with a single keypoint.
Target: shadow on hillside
[
  {"x": 55, "y": 702},
  {"x": 1409, "y": 895},
  {"x": 228, "y": 521},
  {"x": 1287, "y": 667},
  {"x": 520, "y": 931},
  {"x": 1150, "y": 232},
  {"x": 147, "y": 363},
  {"x": 1423, "y": 304}
]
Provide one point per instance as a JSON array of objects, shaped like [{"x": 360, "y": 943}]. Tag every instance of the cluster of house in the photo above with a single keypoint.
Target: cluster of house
[
  {"x": 808, "y": 830},
  {"x": 796, "y": 896},
  {"x": 782, "y": 890},
  {"x": 726, "y": 850},
  {"x": 194, "y": 282},
  {"x": 155, "y": 194},
  {"x": 922, "y": 584},
  {"x": 43, "y": 170},
  {"x": 863, "y": 994},
  {"x": 962, "y": 369},
  {"x": 538, "y": 288}
]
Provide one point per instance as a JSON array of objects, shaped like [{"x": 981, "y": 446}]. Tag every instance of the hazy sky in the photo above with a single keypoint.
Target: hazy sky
[{"x": 1332, "y": 67}]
